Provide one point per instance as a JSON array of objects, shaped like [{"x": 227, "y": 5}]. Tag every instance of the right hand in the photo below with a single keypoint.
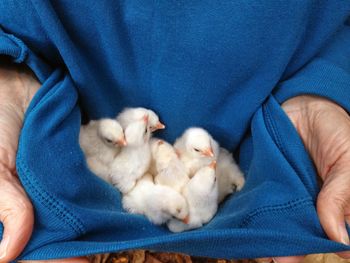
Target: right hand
[{"x": 17, "y": 87}]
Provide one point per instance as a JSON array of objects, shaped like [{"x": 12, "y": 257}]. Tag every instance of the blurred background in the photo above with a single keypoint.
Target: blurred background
[{"x": 142, "y": 256}]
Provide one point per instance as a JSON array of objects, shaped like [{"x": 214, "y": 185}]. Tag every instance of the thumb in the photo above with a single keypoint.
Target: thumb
[
  {"x": 16, "y": 215},
  {"x": 333, "y": 204}
]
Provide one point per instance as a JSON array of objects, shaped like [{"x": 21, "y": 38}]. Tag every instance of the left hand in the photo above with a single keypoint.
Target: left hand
[
  {"x": 18, "y": 85},
  {"x": 324, "y": 128}
]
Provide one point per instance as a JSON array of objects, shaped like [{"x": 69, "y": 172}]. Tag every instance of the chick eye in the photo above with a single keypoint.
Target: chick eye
[
  {"x": 197, "y": 150},
  {"x": 108, "y": 140},
  {"x": 146, "y": 130}
]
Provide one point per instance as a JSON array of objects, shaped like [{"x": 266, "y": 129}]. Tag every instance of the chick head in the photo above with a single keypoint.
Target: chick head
[
  {"x": 205, "y": 177},
  {"x": 154, "y": 123},
  {"x": 138, "y": 132},
  {"x": 178, "y": 207},
  {"x": 199, "y": 143},
  {"x": 111, "y": 133},
  {"x": 130, "y": 115}
]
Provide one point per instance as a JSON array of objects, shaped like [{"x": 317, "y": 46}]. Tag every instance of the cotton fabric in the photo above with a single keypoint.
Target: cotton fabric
[{"x": 222, "y": 65}]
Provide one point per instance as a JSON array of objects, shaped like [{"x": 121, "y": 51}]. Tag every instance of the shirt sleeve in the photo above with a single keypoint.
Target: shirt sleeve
[{"x": 326, "y": 75}]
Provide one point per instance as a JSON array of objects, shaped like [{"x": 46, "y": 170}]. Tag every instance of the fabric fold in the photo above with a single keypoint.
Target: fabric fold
[
  {"x": 275, "y": 211},
  {"x": 326, "y": 75},
  {"x": 204, "y": 64}
]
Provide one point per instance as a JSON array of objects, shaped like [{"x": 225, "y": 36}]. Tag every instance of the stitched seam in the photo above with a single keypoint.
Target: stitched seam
[
  {"x": 22, "y": 47},
  {"x": 51, "y": 202},
  {"x": 13, "y": 52},
  {"x": 48, "y": 200},
  {"x": 274, "y": 131},
  {"x": 21, "y": 53},
  {"x": 297, "y": 203}
]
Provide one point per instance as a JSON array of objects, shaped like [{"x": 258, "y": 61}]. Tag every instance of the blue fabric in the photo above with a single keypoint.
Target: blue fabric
[{"x": 222, "y": 65}]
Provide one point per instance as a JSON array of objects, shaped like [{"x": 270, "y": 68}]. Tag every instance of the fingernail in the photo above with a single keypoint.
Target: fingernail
[
  {"x": 3, "y": 247},
  {"x": 344, "y": 237},
  {"x": 274, "y": 260}
]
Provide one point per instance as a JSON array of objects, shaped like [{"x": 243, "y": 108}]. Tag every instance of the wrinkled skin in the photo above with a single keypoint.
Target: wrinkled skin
[
  {"x": 323, "y": 126},
  {"x": 17, "y": 87}
]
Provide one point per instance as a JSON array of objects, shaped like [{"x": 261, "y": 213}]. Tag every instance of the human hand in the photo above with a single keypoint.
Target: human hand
[
  {"x": 324, "y": 128},
  {"x": 17, "y": 87}
]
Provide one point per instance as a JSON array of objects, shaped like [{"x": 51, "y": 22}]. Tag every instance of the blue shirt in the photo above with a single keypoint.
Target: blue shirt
[{"x": 225, "y": 66}]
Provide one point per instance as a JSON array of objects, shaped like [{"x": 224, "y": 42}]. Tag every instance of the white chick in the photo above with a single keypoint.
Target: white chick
[
  {"x": 166, "y": 166},
  {"x": 134, "y": 159},
  {"x": 196, "y": 149},
  {"x": 129, "y": 115},
  {"x": 201, "y": 194},
  {"x": 157, "y": 202},
  {"x": 101, "y": 141},
  {"x": 230, "y": 177}
]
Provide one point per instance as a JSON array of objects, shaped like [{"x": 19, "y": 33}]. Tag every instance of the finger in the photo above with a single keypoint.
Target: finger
[
  {"x": 332, "y": 202},
  {"x": 18, "y": 226},
  {"x": 16, "y": 215},
  {"x": 345, "y": 255},
  {"x": 263, "y": 260},
  {"x": 66, "y": 260},
  {"x": 291, "y": 259}
]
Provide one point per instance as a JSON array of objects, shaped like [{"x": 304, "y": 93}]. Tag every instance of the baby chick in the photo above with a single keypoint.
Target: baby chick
[
  {"x": 201, "y": 194},
  {"x": 166, "y": 166},
  {"x": 129, "y": 115},
  {"x": 134, "y": 159},
  {"x": 230, "y": 177},
  {"x": 196, "y": 148},
  {"x": 101, "y": 141},
  {"x": 157, "y": 202}
]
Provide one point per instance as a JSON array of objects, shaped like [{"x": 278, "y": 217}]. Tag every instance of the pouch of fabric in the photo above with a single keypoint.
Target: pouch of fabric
[{"x": 78, "y": 214}]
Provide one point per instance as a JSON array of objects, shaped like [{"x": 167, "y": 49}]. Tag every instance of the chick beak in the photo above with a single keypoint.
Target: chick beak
[
  {"x": 213, "y": 165},
  {"x": 122, "y": 142},
  {"x": 160, "y": 126},
  {"x": 186, "y": 220},
  {"x": 208, "y": 152},
  {"x": 160, "y": 142}
]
